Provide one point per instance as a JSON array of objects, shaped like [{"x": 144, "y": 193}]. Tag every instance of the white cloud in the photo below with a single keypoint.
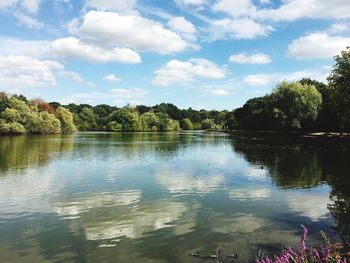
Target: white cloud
[
  {"x": 111, "y": 5},
  {"x": 241, "y": 28},
  {"x": 31, "y": 6},
  {"x": 23, "y": 72},
  {"x": 219, "y": 92},
  {"x": 7, "y": 3},
  {"x": 176, "y": 71},
  {"x": 32, "y": 48},
  {"x": 190, "y": 2},
  {"x": 125, "y": 94},
  {"x": 339, "y": 28},
  {"x": 258, "y": 58},
  {"x": 74, "y": 48},
  {"x": 318, "y": 74},
  {"x": 317, "y": 46},
  {"x": 121, "y": 96},
  {"x": 76, "y": 77},
  {"x": 28, "y": 21},
  {"x": 235, "y": 8},
  {"x": 133, "y": 31},
  {"x": 257, "y": 80},
  {"x": 180, "y": 24},
  {"x": 112, "y": 78},
  {"x": 296, "y": 9}
]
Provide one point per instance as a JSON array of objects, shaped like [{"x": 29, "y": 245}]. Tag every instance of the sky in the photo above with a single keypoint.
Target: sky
[{"x": 204, "y": 54}]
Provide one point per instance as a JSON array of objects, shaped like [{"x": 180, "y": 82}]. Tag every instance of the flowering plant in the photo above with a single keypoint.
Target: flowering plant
[{"x": 326, "y": 253}]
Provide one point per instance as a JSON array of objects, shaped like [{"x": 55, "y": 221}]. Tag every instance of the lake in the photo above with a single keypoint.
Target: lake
[{"x": 156, "y": 197}]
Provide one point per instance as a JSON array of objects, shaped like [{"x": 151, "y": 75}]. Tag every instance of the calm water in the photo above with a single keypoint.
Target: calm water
[{"x": 155, "y": 197}]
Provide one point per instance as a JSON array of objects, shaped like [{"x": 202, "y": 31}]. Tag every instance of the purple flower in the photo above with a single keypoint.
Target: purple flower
[{"x": 303, "y": 239}]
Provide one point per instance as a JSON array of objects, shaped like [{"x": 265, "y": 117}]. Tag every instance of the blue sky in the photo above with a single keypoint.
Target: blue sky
[{"x": 211, "y": 54}]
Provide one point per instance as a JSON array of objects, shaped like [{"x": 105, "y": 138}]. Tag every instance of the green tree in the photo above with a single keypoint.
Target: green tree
[
  {"x": 4, "y": 101},
  {"x": 128, "y": 118},
  {"x": 149, "y": 121},
  {"x": 293, "y": 104},
  {"x": 208, "y": 124},
  {"x": 66, "y": 119},
  {"x": 339, "y": 82},
  {"x": 327, "y": 119},
  {"x": 186, "y": 124},
  {"x": 167, "y": 124},
  {"x": 85, "y": 119},
  {"x": 11, "y": 128},
  {"x": 48, "y": 123}
]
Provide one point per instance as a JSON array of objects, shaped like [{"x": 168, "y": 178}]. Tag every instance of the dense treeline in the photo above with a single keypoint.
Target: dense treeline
[
  {"x": 162, "y": 117},
  {"x": 305, "y": 105},
  {"x": 20, "y": 116}
]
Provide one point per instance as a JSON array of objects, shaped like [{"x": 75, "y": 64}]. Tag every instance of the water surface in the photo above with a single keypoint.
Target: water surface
[{"x": 155, "y": 197}]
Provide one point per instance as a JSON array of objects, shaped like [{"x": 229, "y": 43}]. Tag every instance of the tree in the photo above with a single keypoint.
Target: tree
[
  {"x": 327, "y": 118},
  {"x": 208, "y": 124},
  {"x": 294, "y": 104},
  {"x": 339, "y": 82},
  {"x": 186, "y": 124},
  {"x": 4, "y": 101},
  {"x": 149, "y": 121},
  {"x": 167, "y": 124},
  {"x": 48, "y": 124},
  {"x": 85, "y": 119},
  {"x": 256, "y": 114},
  {"x": 21, "y": 116},
  {"x": 66, "y": 119},
  {"x": 42, "y": 105},
  {"x": 128, "y": 118}
]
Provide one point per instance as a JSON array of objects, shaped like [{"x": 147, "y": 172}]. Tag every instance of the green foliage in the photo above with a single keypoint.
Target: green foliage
[
  {"x": 48, "y": 123},
  {"x": 127, "y": 118},
  {"x": 85, "y": 119},
  {"x": 339, "y": 82},
  {"x": 21, "y": 116},
  {"x": 294, "y": 104},
  {"x": 186, "y": 124},
  {"x": 290, "y": 107},
  {"x": 208, "y": 124},
  {"x": 4, "y": 101},
  {"x": 149, "y": 121},
  {"x": 66, "y": 119},
  {"x": 11, "y": 128}
]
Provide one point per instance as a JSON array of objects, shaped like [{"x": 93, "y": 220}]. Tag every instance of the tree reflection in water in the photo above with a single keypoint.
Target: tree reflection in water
[{"x": 304, "y": 163}]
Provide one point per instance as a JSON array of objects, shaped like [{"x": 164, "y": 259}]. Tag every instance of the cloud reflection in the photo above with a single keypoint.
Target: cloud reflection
[
  {"x": 256, "y": 173},
  {"x": 253, "y": 194},
  {"x": 313, "y": 206},
  {"x": 242, "y": 223},
  {"x": 137, "y": 221},
  {"x": 184, "y": 183},
  {"x": 85, "y": 204}
]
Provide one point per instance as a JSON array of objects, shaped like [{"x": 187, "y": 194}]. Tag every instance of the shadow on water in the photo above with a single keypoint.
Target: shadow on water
[{"x": 304, "y": 163}]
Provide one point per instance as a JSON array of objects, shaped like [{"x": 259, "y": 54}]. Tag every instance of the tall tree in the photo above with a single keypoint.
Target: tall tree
[{"x": 339, "y": 81}]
